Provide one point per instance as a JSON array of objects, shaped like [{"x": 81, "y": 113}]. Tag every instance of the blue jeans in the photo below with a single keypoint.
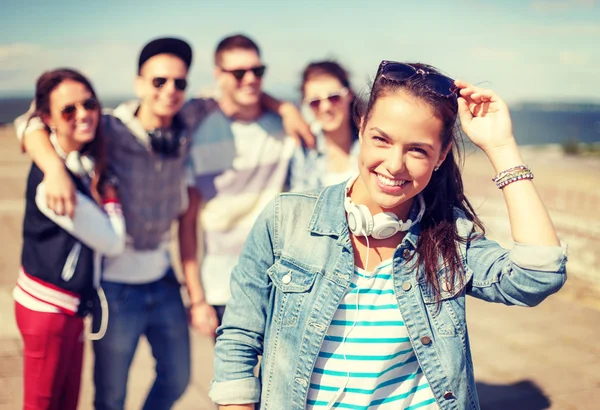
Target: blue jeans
[{"x": 156, "y": 311}]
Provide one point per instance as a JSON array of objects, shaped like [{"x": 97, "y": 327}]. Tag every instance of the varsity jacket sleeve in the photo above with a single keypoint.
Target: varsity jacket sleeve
[{"x": 101, "y": 229}]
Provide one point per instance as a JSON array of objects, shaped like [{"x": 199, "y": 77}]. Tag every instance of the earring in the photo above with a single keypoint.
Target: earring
[{"x": 436, "y": 168}]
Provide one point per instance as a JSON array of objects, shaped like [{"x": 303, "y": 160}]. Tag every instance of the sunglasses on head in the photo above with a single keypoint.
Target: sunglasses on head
[
  {"x": 437, "y": 83},
  {"x": 68, "y": 112},
  {"x": 159, "y": 83},
  {"x": 333, "y": 98},
  {"x": 239, "y": 74}
]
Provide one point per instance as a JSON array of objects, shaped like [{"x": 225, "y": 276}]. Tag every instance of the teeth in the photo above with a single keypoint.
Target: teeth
[{"x": 390, "y": 182}]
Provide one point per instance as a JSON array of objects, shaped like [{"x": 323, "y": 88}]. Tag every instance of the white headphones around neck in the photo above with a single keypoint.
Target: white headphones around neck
[
  {"x": 80, "y": 164},
  {"x": 76, "y": 162},
  {"x": 380, "y": 226}
]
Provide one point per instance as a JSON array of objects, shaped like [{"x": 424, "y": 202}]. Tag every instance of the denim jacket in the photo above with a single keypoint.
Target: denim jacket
[
  {"x": 295, "y": 269},
  {"x": 309, "y": 166}
]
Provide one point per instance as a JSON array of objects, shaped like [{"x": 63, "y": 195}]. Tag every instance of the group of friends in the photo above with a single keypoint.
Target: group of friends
[{"x": 337, "y": 247}]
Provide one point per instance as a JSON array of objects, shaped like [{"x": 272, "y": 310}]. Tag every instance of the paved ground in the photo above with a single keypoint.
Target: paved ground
[{"x": 525, "y": 359}]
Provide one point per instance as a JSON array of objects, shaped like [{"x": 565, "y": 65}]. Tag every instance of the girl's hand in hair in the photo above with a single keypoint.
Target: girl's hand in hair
[{"x": 485, "y": 118}]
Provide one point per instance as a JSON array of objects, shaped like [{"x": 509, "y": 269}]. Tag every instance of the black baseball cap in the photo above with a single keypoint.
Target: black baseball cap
[{"x": 166, "y": 45}]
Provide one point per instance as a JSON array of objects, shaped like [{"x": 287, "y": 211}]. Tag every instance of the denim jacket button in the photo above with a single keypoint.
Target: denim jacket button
[
  {"x": 406, "y": 286},
  {"x": 406, "y": 254},
  {"x": 426, "y": 340},
  {"x": 303, "y": 382},
  {"x": 287, "y": 278},
  {"x": 448, "y": 395},
  {"x": 318, "y": 326}
]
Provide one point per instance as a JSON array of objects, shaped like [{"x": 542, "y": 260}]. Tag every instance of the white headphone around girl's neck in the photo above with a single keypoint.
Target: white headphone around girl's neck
[
  {"x": 80, "y": 164},
  {"x": 380, "y": 226}
]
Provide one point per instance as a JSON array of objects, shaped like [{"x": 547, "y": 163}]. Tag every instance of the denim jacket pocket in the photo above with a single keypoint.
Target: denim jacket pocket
[
  {"x": 292, "y": 285},
  {"x": 448, "y": 313}
]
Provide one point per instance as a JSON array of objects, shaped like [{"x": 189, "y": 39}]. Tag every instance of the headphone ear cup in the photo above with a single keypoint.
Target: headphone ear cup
[
  {"x": 80, "y": 165},
  {"x": 359, "y": 222},
  {"x": 354, "y": 217},
  {"x": 385, "y": 225},
  {"x": 88, "y": 164},
  {"x": 74, "y": 164}
]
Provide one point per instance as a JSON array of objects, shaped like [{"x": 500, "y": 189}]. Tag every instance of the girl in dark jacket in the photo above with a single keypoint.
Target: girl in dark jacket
[{"x": 61, "y": 258}]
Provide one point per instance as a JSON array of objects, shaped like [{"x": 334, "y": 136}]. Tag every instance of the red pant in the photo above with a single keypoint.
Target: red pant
[{"x": 53, "y": 356}]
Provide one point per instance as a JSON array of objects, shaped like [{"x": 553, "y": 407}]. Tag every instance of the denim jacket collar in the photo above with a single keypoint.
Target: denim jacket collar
[{"x": 329, "y": 217}]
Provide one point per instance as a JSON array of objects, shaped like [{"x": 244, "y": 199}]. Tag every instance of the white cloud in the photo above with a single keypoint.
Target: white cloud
[
  {"x": 9, "y": 51},
  {"x": 13, "y": 56},
  {"x": 573, "y": 58},
  {"x": 110, "y": 66},
  {"x": 580, "y": 31}
]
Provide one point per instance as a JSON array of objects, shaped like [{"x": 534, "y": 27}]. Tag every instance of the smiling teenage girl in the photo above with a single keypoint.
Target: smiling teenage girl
[
  {"x": 355, "y": 296},
  {"x": 327, "y": 92},
  {"x": 61, "y": 256}
]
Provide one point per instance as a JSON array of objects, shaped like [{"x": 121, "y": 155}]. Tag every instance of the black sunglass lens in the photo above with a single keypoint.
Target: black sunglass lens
[
  {"x": 259, "y": 71},
  {"x": 180, "y": 84},
  {"x": 441, "y": 85},
  {"x": 158, "y": 82},
  {"x": 90, "y": 104},
  {"x": 335, "y": 98},
  {"x": 314, "y": 104},
  {"x": 238, "y": 74},
  {"x": 398, "y": 71},
  {"x": 68, "y": 112}
]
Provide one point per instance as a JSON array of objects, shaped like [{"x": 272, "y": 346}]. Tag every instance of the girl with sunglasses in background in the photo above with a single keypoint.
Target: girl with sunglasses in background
[
  {"x": 355, "y": 296},
  {"x": 61, "y": 263},
  {"x": 327, "y": 93}
]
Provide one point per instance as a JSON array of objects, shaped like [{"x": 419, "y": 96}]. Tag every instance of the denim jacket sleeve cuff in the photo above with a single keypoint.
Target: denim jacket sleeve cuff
[
  {"x": 243, "y": 391},
  {"x": 540, "y": 258}
]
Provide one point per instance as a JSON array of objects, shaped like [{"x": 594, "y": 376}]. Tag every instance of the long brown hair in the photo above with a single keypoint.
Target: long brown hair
[
  {"x": 96, "y": 149},
  {"x": 444, "y": 193}
]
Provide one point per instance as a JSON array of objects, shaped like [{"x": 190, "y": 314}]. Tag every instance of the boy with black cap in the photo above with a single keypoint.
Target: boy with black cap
[{"x": 148, "y": 145}]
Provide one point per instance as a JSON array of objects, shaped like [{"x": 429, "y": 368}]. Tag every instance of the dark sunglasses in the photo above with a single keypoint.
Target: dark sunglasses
[
  {"x": 240, "y": 73},
  {"x": 68, "y": 112},
  {"x": 334, "y": 98},
  {"x": 159, "y": 82},
  {"x": 437, "y": 83}
]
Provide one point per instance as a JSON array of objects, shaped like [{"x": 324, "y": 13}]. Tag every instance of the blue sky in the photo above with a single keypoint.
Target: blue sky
[{"x": 538, "y": 50}]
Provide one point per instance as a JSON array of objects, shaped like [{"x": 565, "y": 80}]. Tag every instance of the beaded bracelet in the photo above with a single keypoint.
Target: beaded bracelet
[
  {"x": 511, "y": 175},
  {"x": 502, "y": 174}
]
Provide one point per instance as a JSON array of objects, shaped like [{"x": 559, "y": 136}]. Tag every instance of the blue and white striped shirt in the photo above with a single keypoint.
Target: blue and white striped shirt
[{"x": 383, "y": 370}]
